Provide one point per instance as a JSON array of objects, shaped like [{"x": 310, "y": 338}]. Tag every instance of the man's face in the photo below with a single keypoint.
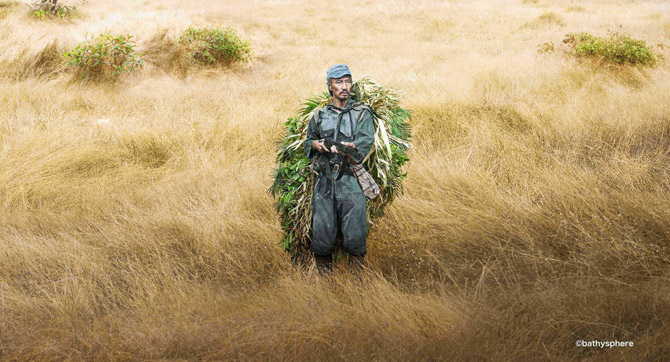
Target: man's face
[{"x": 341, "y": 87}]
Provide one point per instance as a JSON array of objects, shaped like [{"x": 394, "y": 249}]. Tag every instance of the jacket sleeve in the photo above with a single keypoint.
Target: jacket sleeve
[
  {"x": 312, "y": 135},
  {"x": 364, "y": 136}
]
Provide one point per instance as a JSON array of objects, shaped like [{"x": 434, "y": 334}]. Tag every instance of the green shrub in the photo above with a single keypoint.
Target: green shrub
[
  {"x": 104, "y": 56},
  {"x": 617, "y": 49},
  {"x": 215, "y": 45},
  {"x": 51, "y": 8}
]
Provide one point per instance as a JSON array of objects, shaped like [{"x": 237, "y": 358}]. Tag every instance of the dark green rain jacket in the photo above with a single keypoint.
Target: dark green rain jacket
[{"x": 360, "y": 132}]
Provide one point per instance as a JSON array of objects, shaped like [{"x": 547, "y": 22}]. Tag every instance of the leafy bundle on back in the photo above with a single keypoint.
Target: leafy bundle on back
[{"x": 294, "y": 178}]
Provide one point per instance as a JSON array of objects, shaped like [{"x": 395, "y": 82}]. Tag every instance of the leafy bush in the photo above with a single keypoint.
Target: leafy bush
[
  {"x": 104, "y": 57},
  {"x": 215, "y": 45},
  {"x": 617, "y": 49},
  {"x": 51, "y": 8}
]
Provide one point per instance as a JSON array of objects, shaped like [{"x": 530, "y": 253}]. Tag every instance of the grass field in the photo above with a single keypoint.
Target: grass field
[{"x": 536, "y": 210}]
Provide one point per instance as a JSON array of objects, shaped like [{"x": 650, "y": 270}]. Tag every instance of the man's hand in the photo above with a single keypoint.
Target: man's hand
[
  {"x": 319, "y": 146},
  {"x": 333, "y": 149},
  {"x": 348, "y": 146}
]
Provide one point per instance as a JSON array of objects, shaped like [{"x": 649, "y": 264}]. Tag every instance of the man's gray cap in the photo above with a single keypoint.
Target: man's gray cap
[{"x": 337, "y": 71}]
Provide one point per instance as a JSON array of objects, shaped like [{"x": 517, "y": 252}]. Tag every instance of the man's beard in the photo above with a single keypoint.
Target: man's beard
[{"x": 343, "y": 97}]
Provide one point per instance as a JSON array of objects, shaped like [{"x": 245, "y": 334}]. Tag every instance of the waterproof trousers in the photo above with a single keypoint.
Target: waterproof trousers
[{"x": 336, "y": 203}]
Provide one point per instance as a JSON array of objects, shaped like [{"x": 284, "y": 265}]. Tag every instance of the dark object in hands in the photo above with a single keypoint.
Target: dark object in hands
[
  {"x": 347, "y": 150},
  {"x": 368, "y": 185}
]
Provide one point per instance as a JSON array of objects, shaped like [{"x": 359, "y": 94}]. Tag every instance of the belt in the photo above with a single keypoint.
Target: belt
[{"x": 336, "y": 168}]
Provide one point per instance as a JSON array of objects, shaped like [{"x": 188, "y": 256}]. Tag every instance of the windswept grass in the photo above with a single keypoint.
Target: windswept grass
[
  {"x": 44, "y": 63},
  {"x": 545, "y": 19},
  {"x": 7, "y": 7},
  {"x": 575, "y": 9},
  {"x": 135, "y": 223}
]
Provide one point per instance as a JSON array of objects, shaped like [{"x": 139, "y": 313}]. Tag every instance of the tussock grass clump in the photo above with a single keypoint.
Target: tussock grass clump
[
  {"x": 616, "y": 49},
  {"x": 215, "y": 45},
  {"x": 435, "y": 27},
  {"x": 544, "y": 20},
  {"x": 547, "y": 47},
  {"x": 44, "y": 63},
  {"x": 575, "y": 9},
  {"x": 294, "y": 182},
  {"x": 163, "y": 52},
  {"x": 148, "y": 150},
  {"x": 104, "y": 57},
  {"x": 6, "y": 7}
]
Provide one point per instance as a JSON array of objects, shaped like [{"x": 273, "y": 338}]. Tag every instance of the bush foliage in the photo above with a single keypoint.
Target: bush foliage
[
  {"x": 617, "y": 49},
  {"x": 215, "y": 45},
  {"x": 104, "y": 57},
  {"x": 51, "y": 8}
]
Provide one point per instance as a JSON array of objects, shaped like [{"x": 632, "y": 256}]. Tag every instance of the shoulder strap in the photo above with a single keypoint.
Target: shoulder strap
[
  {"x": 317, "y": 115},
  {"x": 359, "y": 111},
  {"x": 360, "y": 106},
  {"x": 366, "y": 107}
]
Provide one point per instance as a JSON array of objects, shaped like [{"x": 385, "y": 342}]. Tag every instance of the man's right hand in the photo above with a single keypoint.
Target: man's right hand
[{"x": 319, "y": 146}]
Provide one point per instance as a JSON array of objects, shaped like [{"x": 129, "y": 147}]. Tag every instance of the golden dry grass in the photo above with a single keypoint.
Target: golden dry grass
[{"x": 537, "y": 207}]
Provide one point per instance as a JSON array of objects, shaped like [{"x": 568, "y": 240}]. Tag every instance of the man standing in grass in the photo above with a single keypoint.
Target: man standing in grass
[{"x": 338, "y": 200}]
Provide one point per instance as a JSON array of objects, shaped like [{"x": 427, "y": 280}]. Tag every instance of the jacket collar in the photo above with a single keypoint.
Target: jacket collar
[{"x": 351, "y": 103}]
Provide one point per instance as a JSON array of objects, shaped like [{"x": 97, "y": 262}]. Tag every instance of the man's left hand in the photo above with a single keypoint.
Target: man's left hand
[{"x": 350, "y": 144}]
